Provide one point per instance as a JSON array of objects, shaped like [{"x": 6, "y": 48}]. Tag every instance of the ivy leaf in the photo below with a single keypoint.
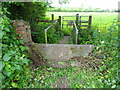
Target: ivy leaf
[
  {"x": 22, "y": 4},
  {"x": 6, "y": 57},
  {"x": 7, "y": 29},
  {"x": 49, "y": 68},
  {"x": 17, "y": 67},
  {"x": 11, "y": 76},
  {"x": 2, "y": 76},
  {"x": 2, "y": 64},
  {"x": 14, "y": 84},
  {"x": 8, "y": 67},
  {"x": 114, "y": 86},
  {"x": 25, "y": 60},
  {"x": 11, "y": 52},
  {"x": 42, "y": 4},
  {"x": 1, "y": 20},
  {"x": 1, "y": 34},
  {"x": 22, "y": 48},
  {"x": 7, "y": 72}
]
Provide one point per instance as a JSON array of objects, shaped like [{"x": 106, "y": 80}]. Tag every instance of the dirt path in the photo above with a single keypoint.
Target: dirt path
[{"x": 65, "y": 40}]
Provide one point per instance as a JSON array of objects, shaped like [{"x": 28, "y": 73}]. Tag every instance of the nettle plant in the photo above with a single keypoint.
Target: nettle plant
[{"x": 15, "y": 70}]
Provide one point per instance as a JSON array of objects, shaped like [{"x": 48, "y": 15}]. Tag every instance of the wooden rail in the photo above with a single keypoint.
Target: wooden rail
[
  {"x": 66, "y": 18},
  {"x": 76, "y": 32},
  {"x": 87, "y": 22},
  {"x": 47, "y": 29}
]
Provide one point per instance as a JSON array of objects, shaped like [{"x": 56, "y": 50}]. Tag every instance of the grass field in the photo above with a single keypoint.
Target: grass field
[
  {"x": 102, "y": 20},
  {"x": 98, "y": 17}
]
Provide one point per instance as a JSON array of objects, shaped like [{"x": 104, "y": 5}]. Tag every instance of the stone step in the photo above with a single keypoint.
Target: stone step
[{"x": 65, "y": 40}]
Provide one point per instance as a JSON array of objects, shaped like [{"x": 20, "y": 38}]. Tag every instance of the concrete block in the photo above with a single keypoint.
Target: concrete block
[{"x": 62, "y": 52}]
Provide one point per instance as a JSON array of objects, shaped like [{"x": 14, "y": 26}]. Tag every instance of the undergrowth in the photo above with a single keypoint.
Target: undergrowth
[
  {"x": 53, "y": 34},
  {"x": 14, "y": 63}
]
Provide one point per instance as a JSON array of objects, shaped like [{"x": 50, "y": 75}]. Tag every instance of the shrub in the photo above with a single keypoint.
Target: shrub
[
  {"x": 53, "y": 34},
  {"x": 31, "y": 12},
  {"x": 106, "y": 47},
  {"x": 15, "y": 70}
]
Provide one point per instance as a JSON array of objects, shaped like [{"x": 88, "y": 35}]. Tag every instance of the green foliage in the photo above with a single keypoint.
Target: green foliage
[
  {"x": 31, "y": 12},
  {"x": 106, "y": 47},
  {"x": 84, "y": 36},
  {"x": 28, "y": 11},
  {"x": 15, "y": 70},
  {"x": 53, "y": 34}
]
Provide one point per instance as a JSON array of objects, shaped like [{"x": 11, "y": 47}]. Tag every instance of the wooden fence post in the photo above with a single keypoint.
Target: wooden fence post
[
  {"x": 77, "y": 18},
  {"x": 90, "y": 21},
  {"x": 59, "y": 20},
  {"x": 62, "y": 22},
  {"x": 80, "y": 20},
  {"x": 52, "y": 17}
]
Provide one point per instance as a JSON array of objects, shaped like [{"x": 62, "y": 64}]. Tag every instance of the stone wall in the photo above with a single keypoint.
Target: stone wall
[{"x": 23, "y": 28}]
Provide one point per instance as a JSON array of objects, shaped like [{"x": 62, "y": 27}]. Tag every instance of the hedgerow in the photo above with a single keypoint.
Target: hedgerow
[{"x": 14, "y": 65}]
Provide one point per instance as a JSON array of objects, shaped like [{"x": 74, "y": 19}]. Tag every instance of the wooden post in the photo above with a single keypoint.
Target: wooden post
[
  {"x": 60, "y": 24},
  {"x": 45, "y": 36},
  {"x": 60, "y": 21},
  {"x": 52, "y": 17},
  {"x": 80, "y": 20},
  {"x": 90, "y": 21},
  {"x": 77, "y": 18}
]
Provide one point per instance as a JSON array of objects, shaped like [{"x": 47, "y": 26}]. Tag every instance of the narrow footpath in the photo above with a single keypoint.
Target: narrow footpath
[{"x": 65, "y": 40}]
